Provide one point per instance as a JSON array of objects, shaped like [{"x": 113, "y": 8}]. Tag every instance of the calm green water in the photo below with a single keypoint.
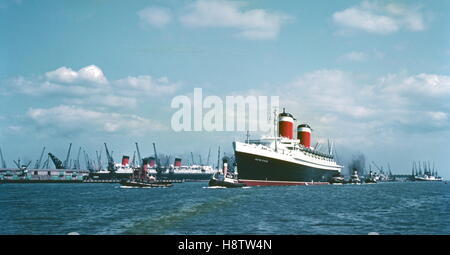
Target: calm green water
[{"x": 191, "y": 208}]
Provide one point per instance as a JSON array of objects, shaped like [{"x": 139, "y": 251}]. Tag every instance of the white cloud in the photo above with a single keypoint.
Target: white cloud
[
  {"x": 155, "y": 16},
  {"x": 438, "y": 116},
  {"x": 104, "y": 100},
  {"x": 355, "y": 109},
  {"x": 251, "y": 24},
  {"x": 145, "y": 85},
  {"x": 425, "y": 85},
  {"x": 62, "y": 74},
  {"x": 354, "y": 56},
  {"x": 92, "y": 74},
  {"x": 89, "y": 86},
  {"x": 374, "y": 17},
  {"x": 65, "y": 118},
  {"x": 330, "y": 91}
]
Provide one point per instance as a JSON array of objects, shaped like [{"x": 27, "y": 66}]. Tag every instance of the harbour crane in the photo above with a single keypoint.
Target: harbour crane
[
  {"x": 66, "y": 162},
  {"x": 2, "y": 159},
  {"x": 19, "y": 166},
  {"x": 133, "y": 162},
  {"x": 192, "y": 156},
  {"x": 38, "y": 162},
  {"x": 379, "y": 169},
  {"x": 389, "y": 168},
  {"x": 88, "y": 162},
  {"x": 99, "y": 159},
  {"x": 58, "y": 164},
  {"x": 46, "y": 163},
  {"x": 209, "y": 154},
  {"x": 200, "y": 158},
  {"x": 139, "y": 155},
  {"x": 111, "y": 167},
  {"x": 77, "y": 162}
]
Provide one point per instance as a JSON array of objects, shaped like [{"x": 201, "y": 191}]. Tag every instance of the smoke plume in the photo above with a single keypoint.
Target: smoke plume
[{"x": 357, "y": 163}]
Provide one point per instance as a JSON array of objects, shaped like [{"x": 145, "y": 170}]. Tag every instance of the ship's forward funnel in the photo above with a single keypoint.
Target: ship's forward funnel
[
  {"x": 304, "y": 134},
  {"x": 177, "y": 162},
  {"x": 125, "y": 160},
  {"x": 286, "y": 125}
]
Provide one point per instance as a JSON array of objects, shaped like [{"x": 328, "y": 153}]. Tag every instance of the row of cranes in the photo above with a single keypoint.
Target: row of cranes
[
  {"x": 94, "y": 164},
  {"x": 67, "y": 164},
  {"x": 425, "y": 166},
  {"x": 358, "y": 167}
]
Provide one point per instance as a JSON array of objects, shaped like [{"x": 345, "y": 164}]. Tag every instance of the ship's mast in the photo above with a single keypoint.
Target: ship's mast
[
  {"x": 275, "y": 122},
  {"x": 218, "y": 159},
  {"x": 156, "y": 157}
]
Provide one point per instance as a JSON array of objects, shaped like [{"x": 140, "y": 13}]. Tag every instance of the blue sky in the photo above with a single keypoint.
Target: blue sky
[{"x": 372, "y": 75}]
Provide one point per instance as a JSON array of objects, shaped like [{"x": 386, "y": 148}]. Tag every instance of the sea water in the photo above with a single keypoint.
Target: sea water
[{"x": 192, "y": 208}]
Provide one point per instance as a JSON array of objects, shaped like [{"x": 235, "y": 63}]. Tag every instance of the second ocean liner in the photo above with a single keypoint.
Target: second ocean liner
[{"x": 283, "y": 160}]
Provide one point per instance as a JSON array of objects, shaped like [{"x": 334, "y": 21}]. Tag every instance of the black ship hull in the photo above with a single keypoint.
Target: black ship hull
[
  {"x": 145, "y": 184},
  {"x": 256, "y": 170},
  {"x": 110, "y": 176},
  {"x": 215, "y": 183}
]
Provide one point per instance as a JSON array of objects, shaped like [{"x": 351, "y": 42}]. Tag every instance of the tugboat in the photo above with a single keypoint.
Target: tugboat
[
  {"x": 354, "y": 179},
  {"x": 337, "y": 179},
  {"x": 372, "y": 178},
  {"x": 225, "y": 179},
  {"x": 141, "y": 179}
]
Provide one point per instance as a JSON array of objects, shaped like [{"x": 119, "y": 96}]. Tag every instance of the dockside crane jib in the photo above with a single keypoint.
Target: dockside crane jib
[
  {"x": 111, "y": 167},
  {"x": 2, "y": 159},
  {"x": 66, "y": 162},
  {"x": 38, "y": 163}
]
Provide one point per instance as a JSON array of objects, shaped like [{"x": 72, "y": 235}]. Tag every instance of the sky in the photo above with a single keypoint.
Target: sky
[{"x": 373, "y": 76}]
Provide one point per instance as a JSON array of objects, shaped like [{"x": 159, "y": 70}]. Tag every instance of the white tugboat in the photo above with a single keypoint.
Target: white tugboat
[{"x": 354, "y": 178}]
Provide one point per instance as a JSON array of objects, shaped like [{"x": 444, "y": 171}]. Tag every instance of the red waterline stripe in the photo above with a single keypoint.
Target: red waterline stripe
[{"x": 279, "y": 183}]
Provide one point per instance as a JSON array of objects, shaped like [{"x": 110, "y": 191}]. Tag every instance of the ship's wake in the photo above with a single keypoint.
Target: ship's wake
[{"x": 162, "y": 224}]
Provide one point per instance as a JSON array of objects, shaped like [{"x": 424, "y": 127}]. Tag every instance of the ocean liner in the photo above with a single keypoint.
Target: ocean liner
[{"x": 283, "y": 160}]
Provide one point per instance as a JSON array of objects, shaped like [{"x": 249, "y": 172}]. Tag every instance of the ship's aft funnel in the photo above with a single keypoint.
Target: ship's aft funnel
[
  {"x": 286, "y": 125},
  {"x": 177, "y": 162},
  {"x": 125, "y": 160},
  {"x": 304, "y": 134}
]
